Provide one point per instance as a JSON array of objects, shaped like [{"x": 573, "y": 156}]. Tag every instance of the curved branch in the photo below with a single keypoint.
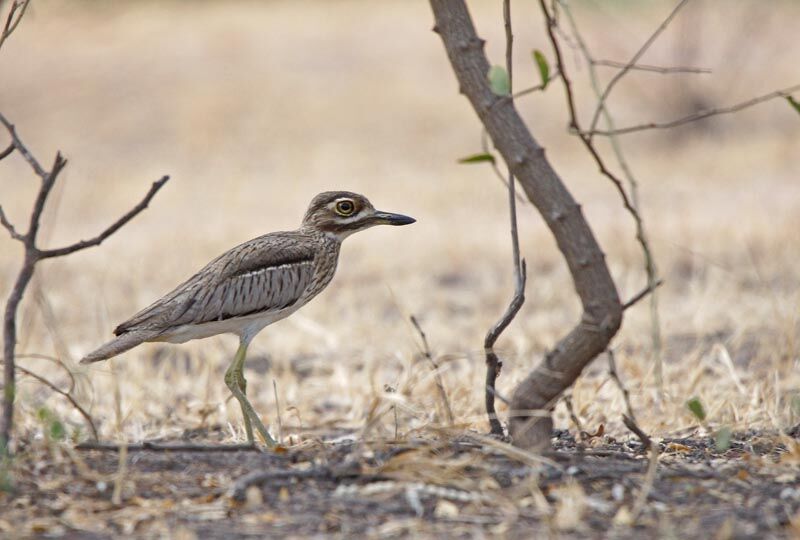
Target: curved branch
[
  {"x": 5, "y": 153},
  {"x": 602, "y": 311},
  {"x": 68, "y": 396},
  {"x": 114, "y": 227}
]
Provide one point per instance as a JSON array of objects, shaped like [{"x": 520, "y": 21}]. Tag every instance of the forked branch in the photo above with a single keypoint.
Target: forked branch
[
  {"x": 32, "y": 256},
  {"x": 627, "y": 67},
  {"x": 13, "y": 19}
]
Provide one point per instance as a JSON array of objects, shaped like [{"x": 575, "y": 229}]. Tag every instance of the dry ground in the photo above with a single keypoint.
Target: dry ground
[{"x": 255, "y": 107}]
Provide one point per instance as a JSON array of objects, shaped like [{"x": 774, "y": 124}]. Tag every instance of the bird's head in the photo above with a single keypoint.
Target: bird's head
[{"x": 341, "y": 213}]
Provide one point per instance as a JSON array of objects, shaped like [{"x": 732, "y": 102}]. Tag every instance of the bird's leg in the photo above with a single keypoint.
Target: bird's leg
[
  {"x": 248, "y": 426},
  {"x": 234, "y": 379}
]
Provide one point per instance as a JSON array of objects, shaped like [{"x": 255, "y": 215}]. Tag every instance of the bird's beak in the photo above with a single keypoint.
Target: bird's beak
[{"x": 387, "y": 218}]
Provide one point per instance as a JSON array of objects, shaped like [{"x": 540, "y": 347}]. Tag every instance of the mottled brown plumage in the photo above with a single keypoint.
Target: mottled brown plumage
[{"x": 253, "y": 285}]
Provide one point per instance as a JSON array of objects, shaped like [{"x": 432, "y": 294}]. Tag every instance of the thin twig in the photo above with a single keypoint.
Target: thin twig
[
  {"x": 538, "y": 88},
  {"x": 485, "y": 149},
  {"x": 641, "y": 294},
  {"x": 15, "y": 140},
  {"x": 7, "y": 152},
  {"x": 631, "y": 424},
  {"x": 650, "y": 267},
  {"x": 630, "y": 204},
  {"x": 493, "y": 362},
  {"x": 573, "y": 115},
  {"x": 9, "y": 227},
  {"x": 694, "y": 117},
  {"x": 571, "y": 411},
  {"x": 68, "y": 396},
  {"x": 11, "y": 23},
  {"x": 628, "y": 419},
  {"x": 114, "y": 227},
  {"x": 612, "y": 372},
  {"x": 426, "y": 351},
  {"x": 615, "y": 79},
  {"x": 56, "y": 361},
  {"x": 646, "y": 67},
  {"x": 48, "y": 181}
]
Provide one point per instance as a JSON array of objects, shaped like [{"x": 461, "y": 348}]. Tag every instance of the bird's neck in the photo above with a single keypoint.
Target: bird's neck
[{"x": 330, "y": 235}]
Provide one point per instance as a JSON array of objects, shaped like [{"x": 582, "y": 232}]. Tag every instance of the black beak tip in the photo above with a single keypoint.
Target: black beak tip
[
  {"x": 395, "y": 219},
  {"x": 403, "y": 220}
]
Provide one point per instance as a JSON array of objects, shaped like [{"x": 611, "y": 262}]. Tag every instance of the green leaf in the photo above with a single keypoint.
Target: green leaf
[
  {"x": 498, "y": 81},
  {"x": 477, "y": 158},
  {"x": 697, "y": 409},
  {"x": 53, "y": 427},
  {"x": 722, "y": 439},
  {"x": 794, "y": 103},
  {"x": 57, "y": 431},
  {"x": 544, "y": 67},
  {"x": 44, "y": 414}
]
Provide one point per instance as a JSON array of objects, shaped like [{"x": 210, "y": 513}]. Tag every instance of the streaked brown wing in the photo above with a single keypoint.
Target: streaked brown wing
[{"x": 266, "y": 274}]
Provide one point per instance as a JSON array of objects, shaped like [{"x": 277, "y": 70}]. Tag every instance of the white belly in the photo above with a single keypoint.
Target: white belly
[{"x": 244, "y": 327}]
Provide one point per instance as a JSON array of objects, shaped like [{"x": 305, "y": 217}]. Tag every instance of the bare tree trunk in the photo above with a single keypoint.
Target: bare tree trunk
[
  {"x": 10, "y": 342},
  {"x": 530, "y": 423}
]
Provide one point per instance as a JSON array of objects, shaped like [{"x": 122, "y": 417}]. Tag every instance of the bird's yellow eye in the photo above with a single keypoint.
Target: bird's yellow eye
[{"x": 345, "y": 207}]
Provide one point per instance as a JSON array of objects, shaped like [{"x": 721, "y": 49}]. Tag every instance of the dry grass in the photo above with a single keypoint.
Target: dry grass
[{"x": 255, "y": 107}]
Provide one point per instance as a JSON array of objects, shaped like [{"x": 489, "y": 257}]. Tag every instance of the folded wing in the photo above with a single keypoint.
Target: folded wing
[{"x": 263, "y": 275}]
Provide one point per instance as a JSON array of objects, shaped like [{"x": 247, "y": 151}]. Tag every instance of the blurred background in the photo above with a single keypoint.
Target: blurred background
[{"x": 254, "y": 107}]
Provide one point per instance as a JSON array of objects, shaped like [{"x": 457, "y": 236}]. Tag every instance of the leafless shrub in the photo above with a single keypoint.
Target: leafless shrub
[{"x": 33, "y": 255}]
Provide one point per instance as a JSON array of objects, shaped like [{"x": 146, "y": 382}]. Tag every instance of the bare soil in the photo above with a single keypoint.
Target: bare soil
[{"x": 461, "y": 487}]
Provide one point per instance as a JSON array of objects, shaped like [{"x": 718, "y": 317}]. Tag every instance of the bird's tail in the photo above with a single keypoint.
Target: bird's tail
[{"x": 119, "y": 345}]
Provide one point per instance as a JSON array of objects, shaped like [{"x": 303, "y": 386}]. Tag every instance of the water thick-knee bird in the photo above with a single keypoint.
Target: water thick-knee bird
[{"x": 251, "y": 286}]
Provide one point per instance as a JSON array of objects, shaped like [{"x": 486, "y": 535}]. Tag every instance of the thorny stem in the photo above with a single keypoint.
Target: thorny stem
[{"x": 493, "y": 362}]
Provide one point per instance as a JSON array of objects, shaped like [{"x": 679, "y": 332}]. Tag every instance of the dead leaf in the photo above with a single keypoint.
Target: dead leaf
[{"x": 677, "y": 447}]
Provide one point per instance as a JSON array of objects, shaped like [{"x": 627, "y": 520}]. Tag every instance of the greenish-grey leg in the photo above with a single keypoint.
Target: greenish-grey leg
[
  {"x": 237, "y": 384},
  {"x": 234, "y": 378}
]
